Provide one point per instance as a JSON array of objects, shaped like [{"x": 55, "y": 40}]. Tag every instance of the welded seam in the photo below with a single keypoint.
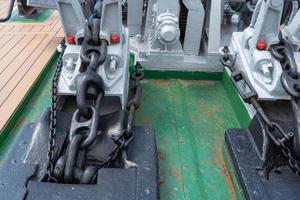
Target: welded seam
[
  {"x": 176, "y": 129},
  {"x": 193, "y": 143}
]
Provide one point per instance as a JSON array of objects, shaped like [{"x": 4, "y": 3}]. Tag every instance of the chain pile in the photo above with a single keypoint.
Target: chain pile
[
  {"x": 71, "y": 166},
  {"x": 89, "y": 88},
  {"x": 275, "y": 132}
]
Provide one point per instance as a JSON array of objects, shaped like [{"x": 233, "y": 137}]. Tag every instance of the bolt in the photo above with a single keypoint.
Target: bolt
[
  {"x": 147, "y": 168},
  {"x": 70, "y": 64},
  {"x": 266, "y": 70},
  {"x": 113, "y": 65},
  {"x": 147, "y": 191},
  {"x": 139, "y": 38}
]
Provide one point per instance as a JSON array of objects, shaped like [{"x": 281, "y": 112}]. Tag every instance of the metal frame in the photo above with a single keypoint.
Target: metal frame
[
  {"x": 154, "y": 55},
  {"x": 262, "y": 70}
]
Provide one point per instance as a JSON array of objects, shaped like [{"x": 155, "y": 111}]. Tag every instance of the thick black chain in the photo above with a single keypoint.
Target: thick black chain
[
  {"x": 281, "y": 142},
  {"x": 88, "y": 83},
  {"x": 136, "y": 95},
  {"x": 290, "y": 80},
  {"x": 292, "y": 162},
  {"x": 119, "y": 145},
  {"x": 271, "y": 127},
  {"x": 93, "y": 54},
  {"x": 133, "y": 104},
  {"x": 53, "y": 114}
]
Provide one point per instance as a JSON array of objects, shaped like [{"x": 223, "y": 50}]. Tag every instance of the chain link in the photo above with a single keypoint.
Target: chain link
[
  {"x": 122, "y": 142},
  {"x": 284, "y": 53},
  {"x": 133, "y": 104},
  {"x": 93, "y": 54},
  {"x": 281, "y": 143},
  {"x": 226, "y": 58},
  {"x": 292, "y": 162},
  {"x": 53, "y": 115},
  {"x": 228, "y": 61}
]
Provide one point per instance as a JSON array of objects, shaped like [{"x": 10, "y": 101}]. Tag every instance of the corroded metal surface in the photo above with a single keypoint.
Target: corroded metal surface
[{"x": 190, "y": 118}]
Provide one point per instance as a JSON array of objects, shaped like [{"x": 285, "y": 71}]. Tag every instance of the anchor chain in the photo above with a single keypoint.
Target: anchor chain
[
  {"x": 290, "y": 80},
  {"x": 90, "y": 90},
  {"x": 89, "y": 93},
  {"x": 122, "y": 142},
  {"x": 77, "y": 139},
  {"x": 290, "y": 77},
  {"x": 52, "y": 124},
  {"x": 135, "y": 101},
  {"x": 275, "y": 132},
  {"x": 90, "y": 83}
]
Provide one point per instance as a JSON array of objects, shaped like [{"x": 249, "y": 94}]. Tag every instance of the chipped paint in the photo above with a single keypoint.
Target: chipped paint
[{"x": 190, "y": 119}]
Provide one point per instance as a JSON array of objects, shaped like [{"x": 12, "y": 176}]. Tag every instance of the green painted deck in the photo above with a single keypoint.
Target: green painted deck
[{"x": 190, "y": 118}]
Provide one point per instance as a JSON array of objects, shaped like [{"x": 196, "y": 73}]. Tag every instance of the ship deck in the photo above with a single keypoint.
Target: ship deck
[
  {"x": 189, "y": 111},
  {"x": 26, "y": 46}
]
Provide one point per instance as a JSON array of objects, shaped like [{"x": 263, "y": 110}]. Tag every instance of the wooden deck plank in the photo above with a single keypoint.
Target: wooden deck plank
[
  {"x": 11, "y": 72},
  {"x": 9, "y": 79},
  {"x": 7, "y": 28},
  {"x": 14, "y": 47},
  {"x": 14, "y": 51},
  {"x": 11, "y": 104},
  {"x": 11, "y": 69},
  {"x": 60, "y": 33},
  {"x": 26, "y": 66},
  {"x": 17, "y": 28},
  {"x": 52, "y": 19},
  {"x": 3, "y": 10},
  {"x": 3, "y": 26},
  {"x": 4, "y": 7},
  {"x": 13, "y": 42},
  {"x": 25, "y": 49},
  {"x": 5, "y": 38},
  {"x": 7, "y": 35}
]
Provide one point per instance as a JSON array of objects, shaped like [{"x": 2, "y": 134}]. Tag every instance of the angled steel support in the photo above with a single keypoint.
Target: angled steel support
[
  {"x": 135, "y": 17},
  {"x": 194, "y": 26},
  {"x": 215, "y": 21}
]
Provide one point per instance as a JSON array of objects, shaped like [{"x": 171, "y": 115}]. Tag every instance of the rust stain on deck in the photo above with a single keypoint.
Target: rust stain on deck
[
  {"x": 219, "y": 163},
  {"x": 196, "y": 82},
  {"x": 161, "y": 83},
  {"x": 160, "y": 155},
  {"x": 208, "y": 111},
  {"x": 176, "y": 174}
]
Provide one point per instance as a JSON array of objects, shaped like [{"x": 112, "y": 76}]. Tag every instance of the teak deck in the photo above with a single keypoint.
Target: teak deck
[{"x": 25, "y": 49}]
